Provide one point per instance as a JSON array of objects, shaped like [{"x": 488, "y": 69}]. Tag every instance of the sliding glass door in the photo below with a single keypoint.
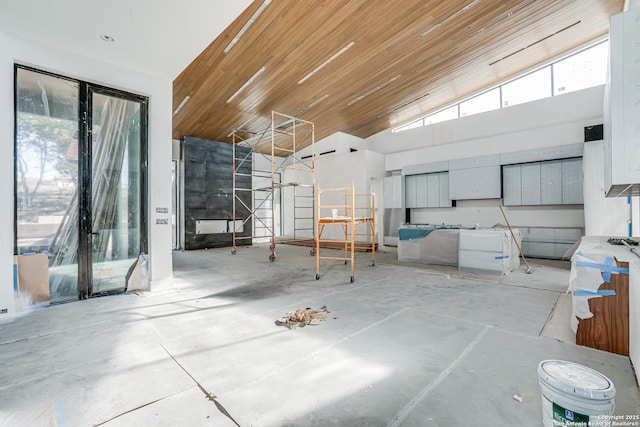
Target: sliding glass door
[{"x": 80, "y": 181}]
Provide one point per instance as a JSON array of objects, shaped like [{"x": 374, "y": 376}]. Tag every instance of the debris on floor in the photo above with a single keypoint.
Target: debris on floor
[
  {"x": 518, "y": 398},
  {"x": 303, "y": 317}
]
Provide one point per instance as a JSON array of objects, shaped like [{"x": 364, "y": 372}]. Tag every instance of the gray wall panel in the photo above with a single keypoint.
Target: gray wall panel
[
  {"x": 392, "y": 192},
  {"x": 548, "y": 153},
  {"x": 572, "y": 180},
  {"x": 207, "y": 190},
  {"x": 475, "y": 183},
  {"x": 443, "y": 183},
  {"x": 475, "y": 162},
  {"x": 422, "y": 189},
  {"x": 531, "y": 187},
  {"x": 425, "y": 168},
  {"x": 551, "y": 183},
  {"x": 511, "y": 185},
  {"x": 411, "y": 188},
  {"x": 433, "y": 190}
]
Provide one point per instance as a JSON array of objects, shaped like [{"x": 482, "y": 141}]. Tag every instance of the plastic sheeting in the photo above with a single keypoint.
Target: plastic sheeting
[
  {"x": 489, "y": 251},
  {"x": 410, "y": 233},
  {"x": 138, "y": 275},
  {"x": 438, "y": 246}
]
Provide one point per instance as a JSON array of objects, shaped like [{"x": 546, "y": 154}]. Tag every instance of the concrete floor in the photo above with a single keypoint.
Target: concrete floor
[{"x": 405, "y": 345}]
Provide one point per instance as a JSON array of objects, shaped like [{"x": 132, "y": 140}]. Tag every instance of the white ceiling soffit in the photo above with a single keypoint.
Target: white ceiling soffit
[{"x": 157, "y": 37}]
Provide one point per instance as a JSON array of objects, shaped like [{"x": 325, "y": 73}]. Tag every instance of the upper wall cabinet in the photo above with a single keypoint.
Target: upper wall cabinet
[
  {"x": 522, "y": 178},
  {"x": 555, "y": 182},
  {"x": 572, "y": 181},
  {"x": 622, "y": 99},
  {"x": 427, "y": 190},
  {"x": 392, "y": 192},
  {"x": 551, "y": 182},
  {"x": 512, "y": 185},
  {"x": 531, "y": 188},
  {"x": 475, "y": 178}
]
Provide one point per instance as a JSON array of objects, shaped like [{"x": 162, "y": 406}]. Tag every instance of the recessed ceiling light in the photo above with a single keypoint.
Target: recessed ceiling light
[
  {"x": 455, "y": 15},
  {"x": 313, "y": 104},
  {"x": 374, "y": 90},
  {"x": 107, "y": 38},
  {"x": 319, "y": 67},
  {"x": 184, "y": 101},
  {"x": 247, "y": 83},
  {"x": 246, "y": 26}
]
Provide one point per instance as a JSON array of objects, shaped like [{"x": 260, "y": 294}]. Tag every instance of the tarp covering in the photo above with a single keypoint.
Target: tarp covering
[{"x": 418, "y": 232}]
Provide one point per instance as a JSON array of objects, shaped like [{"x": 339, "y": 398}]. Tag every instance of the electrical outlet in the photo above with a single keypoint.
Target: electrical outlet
[{"x": 162, "y": 221}]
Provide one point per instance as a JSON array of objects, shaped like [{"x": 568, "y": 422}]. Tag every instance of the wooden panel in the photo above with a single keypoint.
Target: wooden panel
[
  {"x": 408, "y": 58},
  {"x": 608, "y": 329}
]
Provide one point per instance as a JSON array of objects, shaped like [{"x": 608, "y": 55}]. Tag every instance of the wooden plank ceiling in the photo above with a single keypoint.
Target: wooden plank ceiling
[{"x": 403, "y": 59}]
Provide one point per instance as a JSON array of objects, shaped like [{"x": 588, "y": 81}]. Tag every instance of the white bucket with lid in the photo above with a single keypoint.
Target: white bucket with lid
[{"x": 574, "y": 395}]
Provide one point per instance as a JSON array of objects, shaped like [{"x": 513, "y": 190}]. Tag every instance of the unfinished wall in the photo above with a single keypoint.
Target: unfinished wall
[
  {"x": 603, "y": 216},
  {"x": 540, "y": 124},
  {"x": 337, "y": 170},
  {"x": 15, "y": 50},
  {"x": 546, "y": 122}
]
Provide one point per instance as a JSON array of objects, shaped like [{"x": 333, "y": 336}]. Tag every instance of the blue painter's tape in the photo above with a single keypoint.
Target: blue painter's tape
[
  {"x": 47, "y": 253},
  {"x": 60, "y": 413},
  {"x": 15, "y": 277},
  {"x": 602, "y": 292},
  {"x": 28, "y": 253},
  {"x": 502, "y": 257},
  {"x": 607, "y": 268}
]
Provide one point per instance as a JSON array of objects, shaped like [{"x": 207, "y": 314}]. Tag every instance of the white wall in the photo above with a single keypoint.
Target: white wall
[
  {"x": 337, "y": 170},
  {"x": 341, "y": 142},
  {"x": 14, "y": 50},
  {"x": 547, "y": 122}
]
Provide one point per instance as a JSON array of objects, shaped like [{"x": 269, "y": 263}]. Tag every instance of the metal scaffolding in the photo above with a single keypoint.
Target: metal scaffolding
[
  {"x": 279, "y": 145},
  {"x": 348, "y": 211}
]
